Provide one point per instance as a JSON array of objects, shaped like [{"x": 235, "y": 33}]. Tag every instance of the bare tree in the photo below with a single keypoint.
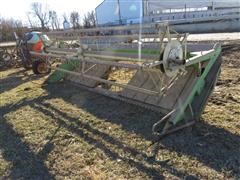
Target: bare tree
[
  {"x": 41, "y": 14},
  {"x": 29, "y": 20},
  {"x": 53, "y": 18},
  {"x": 86, "y": 23},
  {"x": 92, "y": 18},
  {"x": 74, "y": 19},
  {"x": 8, "y": 26},
  {"x": 89, "y": 20}
]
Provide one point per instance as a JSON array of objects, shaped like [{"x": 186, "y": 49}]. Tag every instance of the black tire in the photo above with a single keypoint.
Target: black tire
[{"x": 37, "y": 69}]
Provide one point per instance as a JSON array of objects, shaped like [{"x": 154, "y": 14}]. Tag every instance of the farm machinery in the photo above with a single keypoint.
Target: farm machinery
[
  {"x": 150, "y": 65},
  {"x": 7, "y": 54},
  {"x": 11, "y": 52}
]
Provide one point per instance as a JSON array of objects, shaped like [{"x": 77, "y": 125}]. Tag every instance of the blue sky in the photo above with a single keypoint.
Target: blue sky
[{"x": 18, "y": 9}]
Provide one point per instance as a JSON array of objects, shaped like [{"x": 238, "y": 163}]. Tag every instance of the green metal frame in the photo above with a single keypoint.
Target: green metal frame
[
  {"x": 59, "y": 75},
  {"x": 198, "y": 87},
  {"x": 179, "y": 113}
]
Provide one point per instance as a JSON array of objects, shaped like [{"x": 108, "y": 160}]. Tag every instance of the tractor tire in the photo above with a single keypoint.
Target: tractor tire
[{"x": 41, "y": 67}]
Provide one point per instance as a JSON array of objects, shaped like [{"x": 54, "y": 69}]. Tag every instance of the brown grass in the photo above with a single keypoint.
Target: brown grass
[{"x": 63, "y": 132}]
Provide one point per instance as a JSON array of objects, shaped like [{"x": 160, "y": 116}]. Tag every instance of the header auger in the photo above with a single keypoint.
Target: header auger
[{"x": 152, "y": 66}]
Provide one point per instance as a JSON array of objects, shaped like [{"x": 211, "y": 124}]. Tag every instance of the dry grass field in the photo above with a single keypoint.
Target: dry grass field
[{"x": 59, "y": 131}]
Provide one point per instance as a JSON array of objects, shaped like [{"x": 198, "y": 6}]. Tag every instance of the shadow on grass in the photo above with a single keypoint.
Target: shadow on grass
[
  {"x": 137, "y": 159},
  {"x": 15, "y": 79},
  {"x": 24, "y": 163},
  {"x": 215, "y": 147},
  {"x": 210, "y": 145},
  {"x": 230, "y": 48}
]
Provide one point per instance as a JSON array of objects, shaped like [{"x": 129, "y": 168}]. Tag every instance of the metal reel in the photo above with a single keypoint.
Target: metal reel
[{"x": 173, "y": 58}]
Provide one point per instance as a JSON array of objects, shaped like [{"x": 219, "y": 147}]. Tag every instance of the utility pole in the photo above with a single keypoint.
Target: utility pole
[
  {"x": 185, "y": 11},
  {"x": 146, "y": 7},
  {"x": 213, "y": 8},
  {"x": 119, "y": 12}
]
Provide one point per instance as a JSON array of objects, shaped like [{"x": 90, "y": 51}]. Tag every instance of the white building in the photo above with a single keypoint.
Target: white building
[{"x": 115, "y": 12}]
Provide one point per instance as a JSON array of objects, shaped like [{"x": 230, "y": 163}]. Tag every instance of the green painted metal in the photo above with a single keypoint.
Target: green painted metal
[
  {"x": 59, "y": 75},
  {"x": 198, "y": 87}
]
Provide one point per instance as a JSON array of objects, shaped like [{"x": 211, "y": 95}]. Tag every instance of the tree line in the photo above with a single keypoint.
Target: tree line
[
  {"x": 8, "y": 27},
  {"x": 43, "y": 19}
]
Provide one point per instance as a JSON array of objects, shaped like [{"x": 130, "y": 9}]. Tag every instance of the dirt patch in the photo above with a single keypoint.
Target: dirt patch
[{"x": 60, "y": 131}]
